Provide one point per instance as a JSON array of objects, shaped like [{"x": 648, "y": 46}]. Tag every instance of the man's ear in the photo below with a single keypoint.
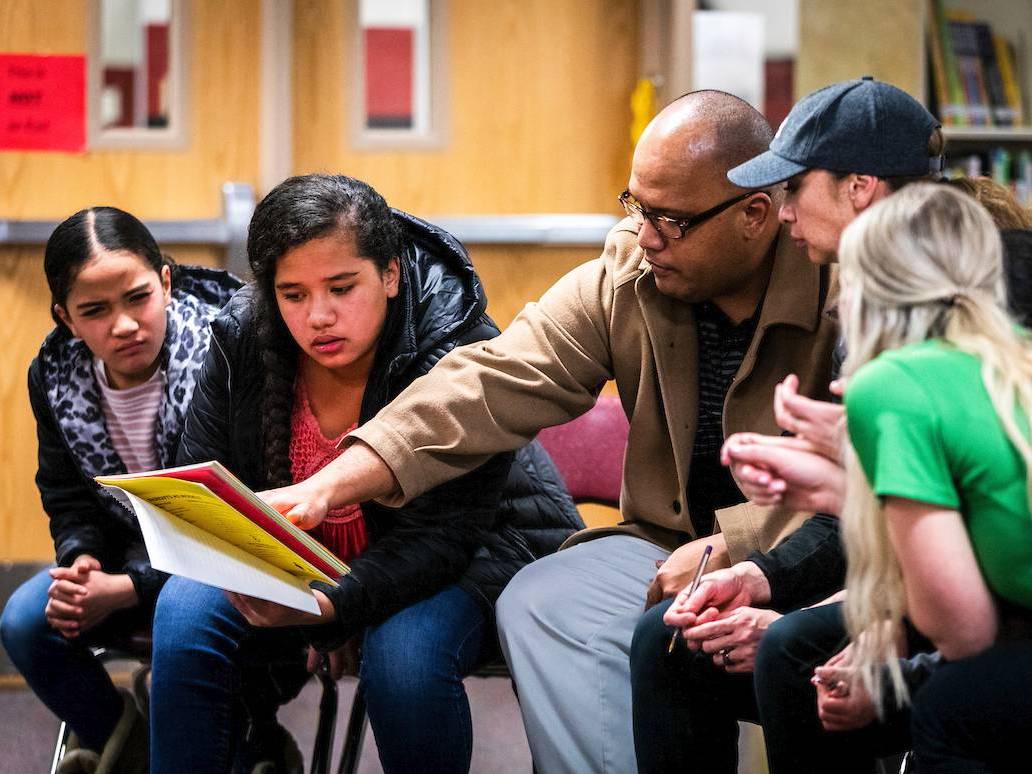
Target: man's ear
[
  {"x": 757, "y": 211},
  {"x": 63, "y": 316}
]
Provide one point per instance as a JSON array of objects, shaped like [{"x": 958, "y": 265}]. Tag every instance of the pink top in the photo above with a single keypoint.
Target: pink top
[
  {"x": 343, "y": 531},
  {"x": 130, "y": 415}
]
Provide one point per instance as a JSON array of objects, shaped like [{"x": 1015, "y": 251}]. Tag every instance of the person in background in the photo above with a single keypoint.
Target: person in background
[
  {"x": 998, "y": 200},
  {"x": 109, "y": 390},
  {"x": 352, "y": 301}
]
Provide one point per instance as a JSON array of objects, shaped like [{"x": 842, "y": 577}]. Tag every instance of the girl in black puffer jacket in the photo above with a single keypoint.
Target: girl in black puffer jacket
[
  {"x": 109, "y": 389},
  {"x": 351, "y": 302}
]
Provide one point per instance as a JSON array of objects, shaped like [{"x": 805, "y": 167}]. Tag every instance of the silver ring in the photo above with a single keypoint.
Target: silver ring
[{"x": 725, "y": 656}]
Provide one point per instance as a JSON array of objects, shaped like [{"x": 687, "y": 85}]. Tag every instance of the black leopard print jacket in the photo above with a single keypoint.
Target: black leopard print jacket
[{"x": 74, "y": 445}]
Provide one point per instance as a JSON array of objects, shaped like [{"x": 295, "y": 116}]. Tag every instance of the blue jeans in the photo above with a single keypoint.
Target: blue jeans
[
  {"x": 212, "y": 673},
  {"x": 63, "y": 673},
  {"x": 205, "y": 655},
  {"x": 412, "y": 669}
]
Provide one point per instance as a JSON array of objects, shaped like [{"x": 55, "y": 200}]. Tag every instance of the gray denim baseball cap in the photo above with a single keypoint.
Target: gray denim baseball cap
[{"x": 863, "y": 126}]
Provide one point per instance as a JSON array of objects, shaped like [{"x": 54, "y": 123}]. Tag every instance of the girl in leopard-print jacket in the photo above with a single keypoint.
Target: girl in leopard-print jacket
[{"x": 109, "y": 390}]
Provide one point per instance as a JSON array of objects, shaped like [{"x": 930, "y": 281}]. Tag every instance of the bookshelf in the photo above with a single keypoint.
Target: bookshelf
[
  {"x": 989, "y": 134},
  {"x": 1001, "y": 151}
]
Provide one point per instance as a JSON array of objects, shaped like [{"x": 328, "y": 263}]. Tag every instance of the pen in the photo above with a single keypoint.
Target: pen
[{"x": 691, "y": 590}]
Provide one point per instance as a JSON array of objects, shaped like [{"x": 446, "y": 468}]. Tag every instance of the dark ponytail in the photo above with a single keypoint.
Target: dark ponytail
[{"x": 295, "y": 212}]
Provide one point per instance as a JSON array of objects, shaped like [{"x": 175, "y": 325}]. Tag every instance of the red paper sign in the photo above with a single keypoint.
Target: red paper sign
[{"x": 42, "y": 102}]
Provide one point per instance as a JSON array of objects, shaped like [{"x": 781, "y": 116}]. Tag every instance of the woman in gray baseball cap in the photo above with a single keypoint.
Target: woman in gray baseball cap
[{"x": 841, "y": 149}]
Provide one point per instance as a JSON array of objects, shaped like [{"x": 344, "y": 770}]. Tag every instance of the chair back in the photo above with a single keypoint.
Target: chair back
[{"x": 589, "y": 451}]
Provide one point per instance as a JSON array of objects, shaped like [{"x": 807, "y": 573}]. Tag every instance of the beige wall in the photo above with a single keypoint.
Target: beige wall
[
  {"x": 538, "y": 116},
  {"x": 184, "y": 183},
  {"x": 839, "y": 40},
  {"x": 538, "y": 121}
]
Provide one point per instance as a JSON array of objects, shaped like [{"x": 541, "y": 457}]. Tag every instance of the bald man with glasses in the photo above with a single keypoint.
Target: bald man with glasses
[{"x": 697, "y": 307}]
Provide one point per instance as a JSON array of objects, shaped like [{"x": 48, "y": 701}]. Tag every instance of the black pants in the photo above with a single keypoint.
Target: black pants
[
  {"x": 791, "y": 648},
  {"x": 686, "y": 710},
  {"x": 974, "y": 716}
]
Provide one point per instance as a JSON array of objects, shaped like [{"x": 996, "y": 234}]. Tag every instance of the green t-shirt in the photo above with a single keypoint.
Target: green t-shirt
[{"x": 924, "y": 428}]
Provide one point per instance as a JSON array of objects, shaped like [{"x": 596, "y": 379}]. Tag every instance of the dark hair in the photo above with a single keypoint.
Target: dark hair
[
  {"x": 1017, "y": 272},
  {"x": 293, "y": 213},
  {"x": 85, "y": 234}
]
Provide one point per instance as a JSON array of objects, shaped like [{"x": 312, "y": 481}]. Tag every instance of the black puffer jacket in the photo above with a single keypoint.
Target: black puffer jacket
[
  {"x": 74, "y": 445},
  {"x": 477, "y": 530}
]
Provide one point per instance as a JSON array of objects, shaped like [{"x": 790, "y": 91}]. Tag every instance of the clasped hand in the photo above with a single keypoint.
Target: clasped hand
[
  {"x": 779, "y": 470},
  {"x": 83, "y": 595},
  {"x": 718, "y": 618}
]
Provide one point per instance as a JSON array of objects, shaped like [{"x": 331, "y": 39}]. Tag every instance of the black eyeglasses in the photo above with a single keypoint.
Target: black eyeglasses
[{"x": 674, "y": 228}]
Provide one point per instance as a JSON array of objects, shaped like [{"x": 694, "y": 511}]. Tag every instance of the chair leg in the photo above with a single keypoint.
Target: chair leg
[
  {"x": 141, "y": 691},
  {"x": 323, "y": 747},
  {"x": 353, "y": 738},
  {"x": 59, "y": 747}
]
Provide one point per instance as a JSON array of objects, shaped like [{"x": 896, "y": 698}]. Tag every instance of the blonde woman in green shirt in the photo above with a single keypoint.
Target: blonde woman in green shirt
[{"x": 937, "y": 519}]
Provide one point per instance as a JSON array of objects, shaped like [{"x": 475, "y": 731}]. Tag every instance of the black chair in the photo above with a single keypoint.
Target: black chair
[{"x": 137, "y": 647}]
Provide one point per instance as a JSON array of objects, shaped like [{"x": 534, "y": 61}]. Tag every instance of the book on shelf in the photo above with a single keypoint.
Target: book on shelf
[
  {"x": 974, "y": 80},
  {"x": 970, "y": 71},
  {"x": 201, "y": 522},
  {"x": 1011, "y": 87},
  {"x": 1001, "y": 111},
  {"x": 948, "y": 89}
]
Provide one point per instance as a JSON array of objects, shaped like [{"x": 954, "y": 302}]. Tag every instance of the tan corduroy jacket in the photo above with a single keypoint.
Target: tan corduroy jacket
[{"x": 607, "y": 320}]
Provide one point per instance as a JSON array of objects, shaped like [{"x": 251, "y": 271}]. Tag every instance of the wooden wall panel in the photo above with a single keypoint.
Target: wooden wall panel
[
  {"x": 841, "y": 40},
  {"x": 514, "y": 275},
  {"x": 538, "y": 108},
  {"x": 165, "y": 184},
  {"x": 24, "y": 300}
]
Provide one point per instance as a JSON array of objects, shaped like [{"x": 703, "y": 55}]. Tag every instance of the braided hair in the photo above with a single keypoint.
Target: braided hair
[{"x": 295, "y": 212}]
